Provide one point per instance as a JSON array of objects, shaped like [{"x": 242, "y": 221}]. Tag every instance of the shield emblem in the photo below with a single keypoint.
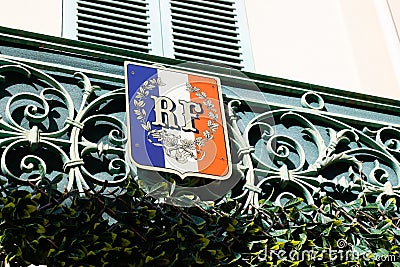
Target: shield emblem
[{"x": 176, "y": 122}]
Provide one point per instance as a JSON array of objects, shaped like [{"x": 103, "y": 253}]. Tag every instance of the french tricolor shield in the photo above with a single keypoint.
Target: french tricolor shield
[{"x": 176, "y": 122}]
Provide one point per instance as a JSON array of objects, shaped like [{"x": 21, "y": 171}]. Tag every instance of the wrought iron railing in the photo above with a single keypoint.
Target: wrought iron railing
[{"x": 50, "y": 132}]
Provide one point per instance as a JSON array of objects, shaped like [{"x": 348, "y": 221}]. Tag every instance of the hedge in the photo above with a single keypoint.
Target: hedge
[{"x": 45, "y": 226}]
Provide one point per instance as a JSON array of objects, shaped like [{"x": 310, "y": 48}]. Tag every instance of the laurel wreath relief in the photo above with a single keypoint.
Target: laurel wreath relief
[{"x": 174, "y": 145}]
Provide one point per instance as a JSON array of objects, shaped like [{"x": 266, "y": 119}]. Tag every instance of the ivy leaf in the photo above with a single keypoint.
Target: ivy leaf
[
  {"x": 303, "y": 239},
  {"x": 371, "y": 208},
  {"x": 308, "y": 208},
  {"x": 172, "y": 189},
  {"x": 301, "y": 218},
  {"x": 143, "y": 185},
  {"x": 40, "y": 229},
  {"x": 321, "y": 218},
  {"x": 230, "y": 228},
  {"x": 125, "y": 242},
  {"x": 382, "y": 252},
  {"x": 161, "y": 186},
  {"x": 149, "y": 259},
  {"x": 31, "y": 208},
  {"x": 152, "y": 213},
  {"x": 204, "y": 242},
  {"x": 390, "y": 205},
  {"x": 396, "y": 232},
  {"x": 385, "y": 224},
  {"x": 293, "y": 202},
  {"x": 265, "y": 224},
  {"x": 327, "y": 231},
  {"x": 198, "y": 221},
  {"x": 279, "y": 232},
  {"x": 294, "y": 264},
  {"x": 185, "y": 200},
  {"x": 354, "y": 205},
  {"x": 327, "y": 200}
]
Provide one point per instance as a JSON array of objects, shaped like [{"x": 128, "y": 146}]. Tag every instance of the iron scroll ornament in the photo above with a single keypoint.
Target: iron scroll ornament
[
  {"x": 329, "y": 157},
  {"x": 52, "y": 129}
]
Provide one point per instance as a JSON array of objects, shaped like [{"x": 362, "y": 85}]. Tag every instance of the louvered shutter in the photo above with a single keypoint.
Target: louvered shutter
[
  {"x": 206, "y": 30},
  {"x": 191, "y": 30},
  {"x": 118, "y": 23}
]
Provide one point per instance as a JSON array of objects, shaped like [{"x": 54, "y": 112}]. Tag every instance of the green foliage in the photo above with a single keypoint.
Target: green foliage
[{"x": 64, "y": 229}]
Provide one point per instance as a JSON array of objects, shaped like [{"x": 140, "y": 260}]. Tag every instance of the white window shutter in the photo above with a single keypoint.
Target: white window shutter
[
  {"x": 207, "y": 30},
  {"x": 123, "y": 24},
  {"x": 192, "y": 30}
]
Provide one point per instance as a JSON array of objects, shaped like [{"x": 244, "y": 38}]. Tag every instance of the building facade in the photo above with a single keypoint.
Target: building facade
[
  {"x": 350, "y": 45},
  {"x": 64, "y": 128},
  {"x": 63, "y": 119}
]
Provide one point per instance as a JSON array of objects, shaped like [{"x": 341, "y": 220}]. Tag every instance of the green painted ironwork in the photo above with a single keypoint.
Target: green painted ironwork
[
  {"x": 37, "y": 135},
  {"x": 329, "y": 157},
  {"x": 281, "y": 154}
]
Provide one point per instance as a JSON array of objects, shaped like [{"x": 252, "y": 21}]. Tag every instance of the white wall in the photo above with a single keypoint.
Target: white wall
[
  {"x": 394, "y": 6},
  {"x": 40, "y": 16},
  {"x": 346, "y": 44}
]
